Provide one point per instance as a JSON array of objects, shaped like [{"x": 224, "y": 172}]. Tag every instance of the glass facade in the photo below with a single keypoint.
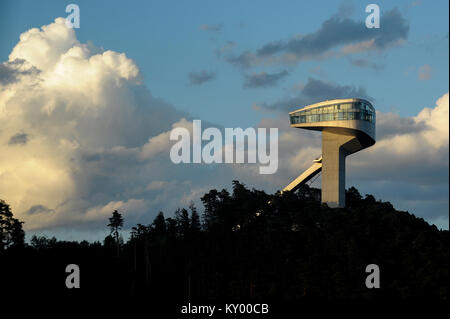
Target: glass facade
[{"x": 335, "y": 112}]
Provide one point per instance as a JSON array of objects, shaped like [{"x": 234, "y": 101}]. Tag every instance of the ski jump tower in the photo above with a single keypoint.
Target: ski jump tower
[{"x": 348, "y": 126}]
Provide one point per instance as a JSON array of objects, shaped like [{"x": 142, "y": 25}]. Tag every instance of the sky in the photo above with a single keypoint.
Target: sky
[{"x": 87, "y": 112}]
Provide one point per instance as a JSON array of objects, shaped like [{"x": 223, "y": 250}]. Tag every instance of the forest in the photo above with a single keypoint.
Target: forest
[{"x": 242, "y": 245}]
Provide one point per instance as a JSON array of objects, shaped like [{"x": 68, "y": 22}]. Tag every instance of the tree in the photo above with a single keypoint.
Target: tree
[
  {"x": 42, "y": 242},
  {"x": 139, "y": 232},
  {"x": 215, "y": 202},
  {"x": 183, "y": 222},
  {"x": 159, "y": 224},
  {"x": 195, "y": 219},
  {"x": 352, "y": 197},
  {"x": 115, "y": 224},
  {"x": 11, "y": 232}
]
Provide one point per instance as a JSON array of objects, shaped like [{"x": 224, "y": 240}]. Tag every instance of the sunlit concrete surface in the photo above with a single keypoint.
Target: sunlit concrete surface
[{"x": 348, "y": 126}]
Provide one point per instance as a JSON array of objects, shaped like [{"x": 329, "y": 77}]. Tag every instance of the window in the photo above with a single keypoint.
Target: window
[
  {"x": 325, "y": 117},
  {"x": 337, "y": 112},
  {"x": 346, "y": 106}
]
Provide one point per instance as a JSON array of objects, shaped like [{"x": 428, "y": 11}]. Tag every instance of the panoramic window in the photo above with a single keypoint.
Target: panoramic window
[{"x": 337, "y": 112}]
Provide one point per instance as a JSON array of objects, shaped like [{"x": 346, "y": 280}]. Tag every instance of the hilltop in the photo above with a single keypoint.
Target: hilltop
[{"x": 249, "y": 245}]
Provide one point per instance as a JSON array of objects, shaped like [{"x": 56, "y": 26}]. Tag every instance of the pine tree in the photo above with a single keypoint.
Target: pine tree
[{"x": 115, "y": 224}]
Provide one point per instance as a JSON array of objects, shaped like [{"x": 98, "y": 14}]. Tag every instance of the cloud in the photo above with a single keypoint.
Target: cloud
[
  {"x": 317, "y": 70},
  {"x": 226, "y": 48},
  {"x": 243, "y": 61},
  {"x": 339, "y": 35},
  {"x": 19, "y": 138},
  {"x": 211, "y": 27},
  {"x": 363, "y": 63},
  {"x": 38, "y": 209},
  {"x": 411, "y": 166},
  {"x": 96, "y": 140},
  {"x": 263, "y": 79},
  {"x": 315, "y": 91},
  {"x": 96, "y": 134},
  {"x": 198, "y": 78},
  {"x": 160, "y": 143},
  {"x": 104, "y": 212},
  {"x": 346, "y": 9},
  {"x": 391, "y": 124},
  {"x": 12, "y": 71},
  {"x": 425, "y": 72},
  {"x": 53, "y": 41}
]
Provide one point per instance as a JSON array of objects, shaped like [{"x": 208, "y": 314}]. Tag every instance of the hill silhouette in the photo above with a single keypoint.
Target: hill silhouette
[{"x": 245, "y": 245}]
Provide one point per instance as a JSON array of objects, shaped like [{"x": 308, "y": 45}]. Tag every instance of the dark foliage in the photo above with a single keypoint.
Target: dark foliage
[
  {"x": 248, "y": 245},
  {"x": 11, "y": 233}
]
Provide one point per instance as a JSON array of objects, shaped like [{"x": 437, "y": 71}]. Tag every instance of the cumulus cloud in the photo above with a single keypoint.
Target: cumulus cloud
[
  {"x": 417, "y": 155},
  {"x": 81, "y": 136},
  {"x": 198, "y": 78},
  {"x": 263, "y": 79},
  {"x": 315, "y": 91},
  {"x": 12, "y": 71},
  {"x": 339, "y": 35}
]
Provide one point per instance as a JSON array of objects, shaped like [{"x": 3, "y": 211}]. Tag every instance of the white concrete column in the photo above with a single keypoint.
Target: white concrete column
[{"x": 333, "y": 168}]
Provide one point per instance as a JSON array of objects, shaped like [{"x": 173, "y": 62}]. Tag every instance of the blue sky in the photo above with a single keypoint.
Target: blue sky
[
  {"x": 166, "y": 41},
  {"x": 190, "y": 57}
]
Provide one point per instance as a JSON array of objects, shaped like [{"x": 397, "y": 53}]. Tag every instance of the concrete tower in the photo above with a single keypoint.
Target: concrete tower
[{"x": 348, "y": 126}]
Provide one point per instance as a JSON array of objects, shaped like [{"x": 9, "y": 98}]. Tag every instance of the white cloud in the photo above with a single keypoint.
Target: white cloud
[
  {"x": 437, "y": 119},
  {"x": 161, "y": 143},
  {"x": 43, "y": 48},
  {"x": 104, "y": 212},
  {"x": 419, "y": 150},
  {"x": 89, "y": 129}
]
